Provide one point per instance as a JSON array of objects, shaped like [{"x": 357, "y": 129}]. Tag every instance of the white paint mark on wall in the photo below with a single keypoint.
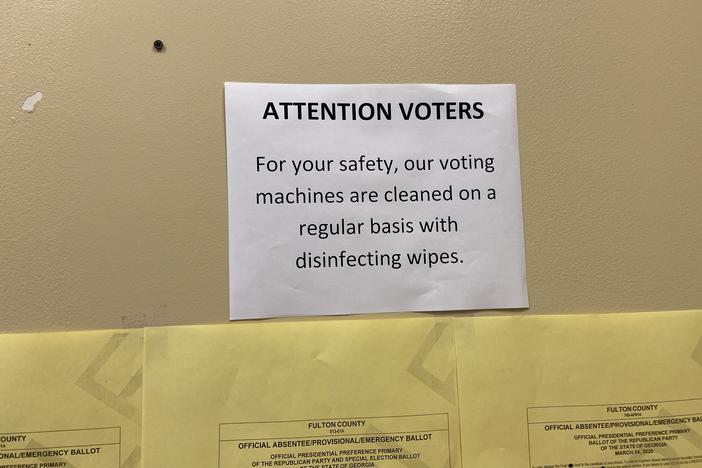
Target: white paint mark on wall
[{"x": 32, "y": 101}]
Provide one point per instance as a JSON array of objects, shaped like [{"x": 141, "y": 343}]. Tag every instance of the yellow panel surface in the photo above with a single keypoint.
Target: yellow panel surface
[
  {"x": 588, "y": 390},
  {"x": 71, "y": 399},
  {"x": 313, "y": 394}
]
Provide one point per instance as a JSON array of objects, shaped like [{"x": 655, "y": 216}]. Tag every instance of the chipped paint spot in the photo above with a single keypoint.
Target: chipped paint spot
[{"x": 32, "y": 101}]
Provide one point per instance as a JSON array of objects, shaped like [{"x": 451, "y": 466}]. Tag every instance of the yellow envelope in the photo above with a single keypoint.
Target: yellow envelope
[
  {"x": 71, "y": 400},
  {"x": 332, "y": 393},
  {"x": 620, "y": 390}
]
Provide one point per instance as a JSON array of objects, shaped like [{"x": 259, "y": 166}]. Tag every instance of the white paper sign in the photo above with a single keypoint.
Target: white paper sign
[{"x": 373, "y": 198}]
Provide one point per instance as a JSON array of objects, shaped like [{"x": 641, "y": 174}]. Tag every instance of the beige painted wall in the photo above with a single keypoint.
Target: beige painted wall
[{"x": 113, "y": 191}]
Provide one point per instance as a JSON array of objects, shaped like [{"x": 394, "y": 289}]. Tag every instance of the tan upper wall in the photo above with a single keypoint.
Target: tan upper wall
[{"x": 113, "y": 191}]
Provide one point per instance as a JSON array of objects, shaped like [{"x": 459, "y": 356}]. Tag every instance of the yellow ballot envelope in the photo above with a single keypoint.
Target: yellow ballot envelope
[
  {"x": 71, "y": 400},
  {"x": 607, "y": 390},
  {"x": 332, "y": 394}
]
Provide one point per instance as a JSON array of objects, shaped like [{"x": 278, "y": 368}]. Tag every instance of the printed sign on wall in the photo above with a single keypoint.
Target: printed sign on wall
[{"x": 373, "y": 198}]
